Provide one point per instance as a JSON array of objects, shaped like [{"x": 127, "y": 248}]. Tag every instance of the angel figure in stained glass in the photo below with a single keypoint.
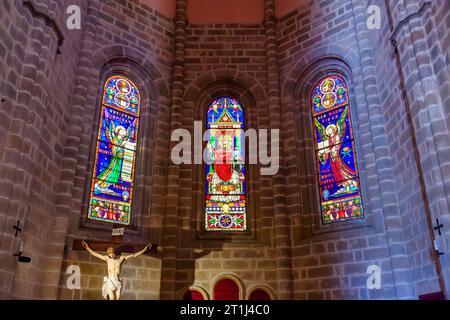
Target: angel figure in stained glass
[
  {"x": 118, "y": 137},
  {"x": 330, "y": 149}
]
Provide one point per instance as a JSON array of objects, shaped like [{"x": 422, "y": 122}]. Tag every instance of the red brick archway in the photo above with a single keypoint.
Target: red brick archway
[
  {"x": 259, "y": 294},
  {"x": 226, "y": 289},
  {"x": 193, "y": 294}
]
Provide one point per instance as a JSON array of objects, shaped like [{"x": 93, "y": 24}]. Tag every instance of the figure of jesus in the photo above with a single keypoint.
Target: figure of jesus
[
  {"x": 112, "y": 284},
  {"x": 226, "y": 179}
]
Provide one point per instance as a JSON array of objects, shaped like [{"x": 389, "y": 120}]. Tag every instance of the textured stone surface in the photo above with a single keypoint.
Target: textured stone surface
[{"x": 400, "y": 110}]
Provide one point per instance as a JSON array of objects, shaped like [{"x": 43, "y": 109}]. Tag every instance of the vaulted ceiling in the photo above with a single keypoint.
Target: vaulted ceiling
[{"x": 225, "y": 11}]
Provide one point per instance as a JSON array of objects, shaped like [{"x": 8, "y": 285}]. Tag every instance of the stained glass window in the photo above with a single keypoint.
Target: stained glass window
[
  {"x": 338, "y": 177},
  {"x": 225, "y": 208},
  {"x": 111, "y": 192}
]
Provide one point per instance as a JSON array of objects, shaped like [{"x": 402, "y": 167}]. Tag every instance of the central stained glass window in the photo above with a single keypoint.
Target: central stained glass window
[
  {"x": 115, "y": 157},
  {"x": 225, "y": 208}
]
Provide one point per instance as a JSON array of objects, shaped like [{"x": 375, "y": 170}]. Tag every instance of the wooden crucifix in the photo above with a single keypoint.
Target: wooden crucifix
[
  {"x": 438, "y": 227},
  {"x": 112, "y": 284},
  {"x": 116, "y": 242},
  {"x": 17, "y": 228}
]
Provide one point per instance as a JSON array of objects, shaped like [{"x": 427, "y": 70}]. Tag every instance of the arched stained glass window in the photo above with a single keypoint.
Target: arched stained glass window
[
  {"x": 115, "y": 154},
  {"x": 225, "y": 208},
  {"x": 337, "y": 167}
]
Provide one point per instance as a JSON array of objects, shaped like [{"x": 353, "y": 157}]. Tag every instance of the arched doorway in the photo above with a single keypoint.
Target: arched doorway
[
  {"x": 193, "y": 295},
  {"x": 226, "y": 289},
  {"x": 259, "y": 295}
]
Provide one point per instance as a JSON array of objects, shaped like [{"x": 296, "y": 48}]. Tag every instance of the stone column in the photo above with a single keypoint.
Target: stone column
[
  {"x": 67, "y": 205},
  {"x": 387, "y": 204},
  {"x": 28, "y": 113},
  {"x": 29, "y": 101},
  {"x": 281, "y": 225},
  {"x": 170, "y": 239},
  {"x": 420, "y": 59}
]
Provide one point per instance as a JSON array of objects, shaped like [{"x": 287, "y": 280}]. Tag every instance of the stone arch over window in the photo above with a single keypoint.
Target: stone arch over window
[
  {"x": 231, "y": 91},
  {"x": 260, "y": 292},
  {"x": 113, "y": 184},
  {"x": 335, "y": 151},
  {"x": 228, "y": 287},
  {"x": 194, "y": 292},
  {"x": 198, "y": 98},
  {"x": 140, "y": 131},
  {"x": 297, "y": 101}
]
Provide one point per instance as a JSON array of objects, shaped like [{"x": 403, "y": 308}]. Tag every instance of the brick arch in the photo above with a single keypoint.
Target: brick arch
[
  {"x": 128, "y": 69},
  {"x": 194, "y": 288},
  {"x": 296, "y": 93},
  {"x": 228, "y": 277},
  {"x": 155, "y": 105},
  {"x": 247, "y": 83},
  {"x": 227, "y": 87},
  {"x": 106, "y": 54},
  {"x": 251, "y": 94},
  {"x": 261, "y": 287},
  {"x": 345, "y": 56}
]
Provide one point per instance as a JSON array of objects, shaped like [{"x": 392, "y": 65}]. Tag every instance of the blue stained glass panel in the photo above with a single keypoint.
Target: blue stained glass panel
[
  {"x": 333, "y": 127},
  {"x": 337, "y": 169},
  {"x": 338, "y": 164},
  {"x": 122, "y": 94},
  {"x": 115, "y": 157}
]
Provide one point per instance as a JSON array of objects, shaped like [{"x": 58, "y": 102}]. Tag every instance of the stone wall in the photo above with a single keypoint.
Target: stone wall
[
  {"x": 440, "y": 62},
  {"x": 48, "y": 125},
  {"x": 128, "y": 38},
  {"x": 331, "y": 262},
  {"x": 422, "y": 127},
  {"x": 225, "y": 59},
  {"x": 402, "y": 143}
]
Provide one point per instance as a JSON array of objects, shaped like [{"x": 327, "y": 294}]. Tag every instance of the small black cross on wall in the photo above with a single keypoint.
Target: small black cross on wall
[
  {"x": 438, "y": 227},
  {"x": 16, "y": 227}
]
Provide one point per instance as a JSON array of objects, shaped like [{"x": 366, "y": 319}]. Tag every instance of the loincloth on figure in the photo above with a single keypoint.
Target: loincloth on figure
[{"x": 110, "y": 285}]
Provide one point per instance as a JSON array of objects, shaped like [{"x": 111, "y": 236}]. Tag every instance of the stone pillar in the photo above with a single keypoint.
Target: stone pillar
[
  {"x": 25, "y": 161},
  {"x": 281, "y": 225},
  {"x": 19, "y": 153},
  {"x": 420, "y": 59},
  {"x": 65, "y": 204},
  {"x": 170, "y": 236},
  {"x": 387, "y": 195}
]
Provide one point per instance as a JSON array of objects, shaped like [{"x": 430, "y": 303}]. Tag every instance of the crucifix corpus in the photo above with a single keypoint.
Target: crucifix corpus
[{"x": 112, "y": 284}]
